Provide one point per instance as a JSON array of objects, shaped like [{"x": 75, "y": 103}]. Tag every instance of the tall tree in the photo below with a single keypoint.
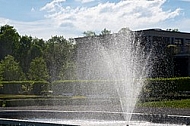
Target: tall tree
[
  {"x": 23, "y": 51},
  {"x": 1, "y": 72},
  {"x": 58, "y": 52},
  {"x": 89, "y": 33},
  {"x": 68, "y": 71},
  {"x": 105, "y": 32},
  {"x": 10, "y": 69},
  {"x": 38, "y": 70},
  {"x": 9, "y": 41}
]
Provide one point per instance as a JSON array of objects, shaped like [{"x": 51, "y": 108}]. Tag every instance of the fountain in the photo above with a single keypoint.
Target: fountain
[
  {"x": 114, "y": 68},
  {"x": 117, "y": 58},
  {"x": 120, "y": 60}
]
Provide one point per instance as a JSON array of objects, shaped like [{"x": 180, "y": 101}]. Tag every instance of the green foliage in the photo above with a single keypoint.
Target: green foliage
[
  {"x": 84, "y": 87},
  {"x": 24, "y": 87},
  {"x": 38, "y": 70},
  {"x": 185, "y": 103},
  {"x": 9, "y": 41},
  {"x": 1, "y": 72},
  {"x": 10, "y": 69},
  {"x": 58, "y": 54},
  {"x": 35, "y": 51},
  {"x": 40, "y": 87},
  {"x": 124, "y": 30},
  {"x": 68, "y": 71},
  {"x": 166, "y": 88},
  {"x": 89, "y": 33},
  {"x": 23, "y": 52},
  {"x": 105, "y": 32}
]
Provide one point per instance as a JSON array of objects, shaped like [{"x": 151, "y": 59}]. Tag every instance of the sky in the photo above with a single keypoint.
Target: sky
[{"x": 70, "y": 18}]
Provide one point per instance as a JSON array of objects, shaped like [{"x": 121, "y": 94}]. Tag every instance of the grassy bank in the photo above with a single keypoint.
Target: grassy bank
[{"x": 185, "y": 103}]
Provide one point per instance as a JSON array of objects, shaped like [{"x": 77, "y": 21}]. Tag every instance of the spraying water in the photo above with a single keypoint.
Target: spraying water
[{"x": 121, "y": 61}]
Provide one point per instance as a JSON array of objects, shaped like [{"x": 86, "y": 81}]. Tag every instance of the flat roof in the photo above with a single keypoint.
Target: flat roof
[{"x": 164, "y": 33}]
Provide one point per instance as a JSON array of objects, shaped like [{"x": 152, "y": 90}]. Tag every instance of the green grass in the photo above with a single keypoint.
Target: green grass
[
  {"x": 185, "y": 103},
  {"x": 6, "y": 97}
]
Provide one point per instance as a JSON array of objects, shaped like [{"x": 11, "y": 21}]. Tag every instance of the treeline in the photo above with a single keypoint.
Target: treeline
[{"x": 28, "y": 58}]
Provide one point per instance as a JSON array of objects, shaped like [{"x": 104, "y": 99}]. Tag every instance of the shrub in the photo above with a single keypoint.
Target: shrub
[
  {"x": 38, "y": 70},
  {"x": 10, "y": 70},
  {"x": 83, "y": 87},
  {"x": 40, "y": 87},
  {"x": 166, "y": 88},
  {"x": 24, "y": 87}
]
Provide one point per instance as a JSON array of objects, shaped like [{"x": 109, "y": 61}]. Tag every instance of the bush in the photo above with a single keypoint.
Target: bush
[
  {"x": 63, "y": 87},
  {"x": 24, "y": 87},
  {"x": 11, "y": 87},
  {"x": 40, "y": 87},
  {"x": 1, "y": 103},
  {"x": 166, "y": 88},
  {"x": 83, "y": 87}
]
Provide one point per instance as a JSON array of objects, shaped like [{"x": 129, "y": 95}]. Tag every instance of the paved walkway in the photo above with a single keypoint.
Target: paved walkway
[{"x": 166, "y": 111}]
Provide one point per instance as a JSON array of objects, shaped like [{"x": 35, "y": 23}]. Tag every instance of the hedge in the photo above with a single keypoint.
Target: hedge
[
  {"x": 40, "y": 87},
  {"x": 23, "y": 87},
  {"x": 166, "y": 88},
  {"x": 1, "y": 103},
  {"x": 83, "y": 87},
  {"x": 153, "y": 87}
]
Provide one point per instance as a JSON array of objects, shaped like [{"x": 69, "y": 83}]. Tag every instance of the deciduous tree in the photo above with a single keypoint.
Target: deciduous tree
[
  {"x": 10, "y": 69},
  {"x": 38, "y": 70},
  {"x": 9, "y": 41}
]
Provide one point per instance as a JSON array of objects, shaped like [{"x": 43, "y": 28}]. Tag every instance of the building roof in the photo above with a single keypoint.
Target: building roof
[{"x": 164, "y": 33}]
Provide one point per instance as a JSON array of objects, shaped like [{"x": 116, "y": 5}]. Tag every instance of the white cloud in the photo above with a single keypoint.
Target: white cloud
[
  {"x": 33, "y": 10},
  {"x": 72, "y": 22},
  {"x": 84, "y": 1},
  {"x": 3, "y": 21},
  {"x": 52, "y": 6},
  {"x": 41, "y": 29},
  {"x": 113, "y": 16}
]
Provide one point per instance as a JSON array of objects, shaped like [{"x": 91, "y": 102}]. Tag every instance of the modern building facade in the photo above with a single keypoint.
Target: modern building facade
[{"x": 171, "y": 48}]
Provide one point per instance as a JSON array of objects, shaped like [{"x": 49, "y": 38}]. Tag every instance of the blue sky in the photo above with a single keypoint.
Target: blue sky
[{"x": 70, "y": 18}]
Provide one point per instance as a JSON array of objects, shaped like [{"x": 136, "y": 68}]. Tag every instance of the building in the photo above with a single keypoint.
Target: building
[{"x": 171, "y": 48}]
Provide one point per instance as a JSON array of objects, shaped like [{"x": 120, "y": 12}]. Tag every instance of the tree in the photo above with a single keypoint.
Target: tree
[
  {"x": 124, "y": 30},
  {"x": 105, "y": 32},
  {"x": 1, "y": 72},
  {"x": 38, "y": 70},
  {"x": 24, "y": 51},
  {"x": 10, "y": 70},
  {"x": 9, "y": 41},
  {"x": 89, "y": 33},
  {"x": 172, "y": 30},
  {"x": 68, "y": 71},
  {"x": 35, "y": 51},
  {"x": 58, "y": 52}
]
